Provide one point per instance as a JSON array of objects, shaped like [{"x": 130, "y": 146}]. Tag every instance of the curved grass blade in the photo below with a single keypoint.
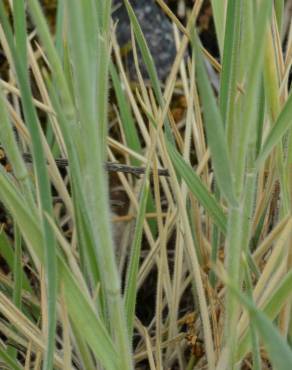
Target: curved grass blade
[
  {"x": 8, "y": 360},
  {"x": 80, "y": 309},
  {"x": 197, "y": 187},
  {"x": 89, "y": 327},
  {"x": 271, "y": 309},
  {"x": 277, "y": 347},
  {"x": 282, "y": 125}
]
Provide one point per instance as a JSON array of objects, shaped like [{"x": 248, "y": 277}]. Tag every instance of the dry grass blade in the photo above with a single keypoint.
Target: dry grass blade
[{"x": 168, "y": 199}]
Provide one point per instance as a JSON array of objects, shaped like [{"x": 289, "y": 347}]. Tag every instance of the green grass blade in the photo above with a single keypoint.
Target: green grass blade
[
  {"x": 8, "y": 360},
  {"x": 261, "y": 119},
  {"x": 59, "y": 28},
  {"x": 43, "y": 187},
  {"x": 103, "y": 74},
  {"x": 86, "y": 322},
  {"x": 282, "y": 125},
  {"x": 17, "y": 274},
  {"x": 228, "y": 79},
  {"x": 84, "y": 350},
  {"x": 278, "y": 349},
  {"x": 256, "y": 357},
  {"x": 279, "y": 10},
  {"x": 85, "y": 238},
  {"x": 90, "y": 327},
  {"x": 17, "y": 279},
  {"x": 131, "y": 134},
  {"x": 149, "y": 63},
  {"x": 197, "y": 187},
  {"x": 127, "y": 120},
  {"x": 249, "y": 111},
  {"x": 54, "y": 61},
  {"x": 133, "y": 267},
  {"x": 25, "y": 215},
  {"x": 8, "y": 141},
  {"x": 271, "y": 79},
  {"x": 19, "y": 24},
  {"x": 219, "y": 9},
  {"x": 7, "y": 253},
  {"x": 145, "y": 52},
  {"x": 214, "y": 128},
  {"x": 91, "y": 91},
  {"x": 271, "y": 309}
]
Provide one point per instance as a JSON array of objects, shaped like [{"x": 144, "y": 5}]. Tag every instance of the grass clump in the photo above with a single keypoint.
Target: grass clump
[{"x": 199, "y": 274}]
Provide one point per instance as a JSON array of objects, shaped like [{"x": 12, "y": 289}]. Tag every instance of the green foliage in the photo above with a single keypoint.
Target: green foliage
[{"x": 74, "y": 282}]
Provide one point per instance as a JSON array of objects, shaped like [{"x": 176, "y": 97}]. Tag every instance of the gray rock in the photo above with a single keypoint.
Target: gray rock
[{"x": 157, "y": 30}]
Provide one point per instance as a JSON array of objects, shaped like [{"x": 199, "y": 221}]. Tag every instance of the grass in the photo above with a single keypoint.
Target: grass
[{"x": 199, "y": 276}]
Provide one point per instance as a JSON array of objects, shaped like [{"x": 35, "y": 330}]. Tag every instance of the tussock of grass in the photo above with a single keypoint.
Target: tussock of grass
[{"x": 198, "y": 274}]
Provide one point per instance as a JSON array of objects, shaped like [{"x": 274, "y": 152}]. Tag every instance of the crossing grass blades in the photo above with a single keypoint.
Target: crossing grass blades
[{"x": 210, "y": 243}]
